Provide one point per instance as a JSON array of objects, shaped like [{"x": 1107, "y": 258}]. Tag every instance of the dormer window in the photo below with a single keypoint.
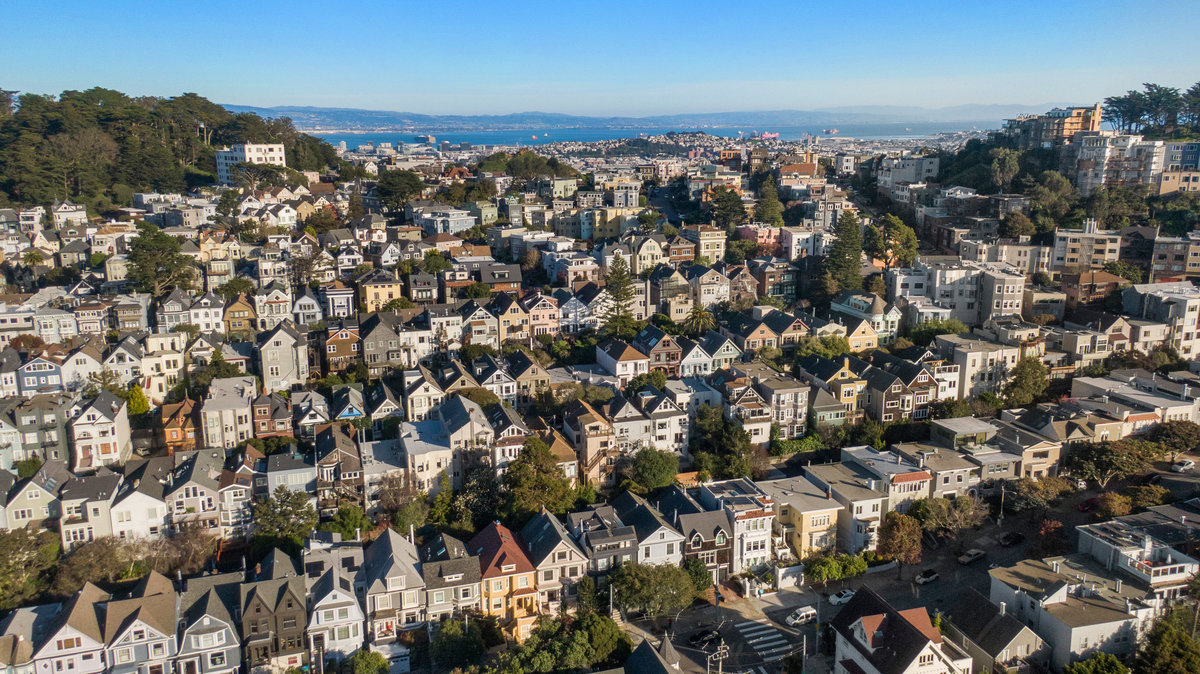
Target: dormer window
[
  {"x": 721, "y": 538},
  {"x": 696, "y": 541}
]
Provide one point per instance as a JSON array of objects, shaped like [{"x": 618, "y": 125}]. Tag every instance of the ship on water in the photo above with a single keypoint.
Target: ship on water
[{"x": 829, "y": 132}]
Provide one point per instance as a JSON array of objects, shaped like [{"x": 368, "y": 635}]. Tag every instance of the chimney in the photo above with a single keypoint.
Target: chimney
[
  {"x": 871, "y": 483},
  {"x": 1003, "y": 607},
  {"x": 412, "y": 533},
  {"x": 1118, "y": 585},
  {"x": 1054, "y": 565}
]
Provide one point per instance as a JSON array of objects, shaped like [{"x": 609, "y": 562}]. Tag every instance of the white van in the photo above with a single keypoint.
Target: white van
[{"x": 802, "y": 616}]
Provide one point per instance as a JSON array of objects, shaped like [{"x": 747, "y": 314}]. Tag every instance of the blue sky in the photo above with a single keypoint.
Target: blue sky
[{"x": 614, "y": 58}]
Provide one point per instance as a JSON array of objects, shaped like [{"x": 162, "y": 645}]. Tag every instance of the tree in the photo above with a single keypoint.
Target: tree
[
  {"x": 234, "y": 287},
  {"x": 949, "y": 409},
  {"x": 456, "y": 645},
  {"x": 618, "y": 318},
  {"x": 350, "y": 522},
  {"x": 900, "y": 539},
  {"x": 1177, "y": 437},
  {"x": 923, "y": 333},
  {"x": 1029, "y": 379},
  {"x": 155, "y": 263},
  {"x": 1112, "y": 504},
  {"x": 831, "y": 346},
  {"x": 138, "y": 404},
  {"x": 534, "y": 480},
  {"x": 656, "y": 590},
  {"x": 434, "y": 263},
  {"x": 827, "y": 568},
  {"x": 395, "y": 188},
  {"x": 26, "y": 557},
  {"x": 284, "y": 519},
  {"x": 893, "y": 242},
  {"x": 33, "y": 257},
  {"x": 944, "y": 515},
  {"x": 699, "y": 321},
  {"x": 1016, "y": 225},
  {"x": 1005, "y": 166},
  {"x": 1106, "y": 461},
  {"x": 367, "y": 661},
  {"x": 103, "y": 560},
  {"x": 844, "y": 259},
  {"x": 654, "y": 468},
  {"x": 728, "y": 211},
  {"x": 1145, "y": 496},
  {"x": 648, "y": 221},
  {"x": 656, "y": 378},
  {"x": 480, "y": 396},
  {"x": 1126, "y": 270},
  {"x": 768, "y": 209},
  {"x": 1099, "y": 663},
  {"x": 699, "y": 573},
  {"x": 1050, "y": 539},
  {"x": 440, "y": 510},
  {"x": 477, "y": 290},
  {"x": 531, "y": 259},
  {"x": 1167, "y": 649}
]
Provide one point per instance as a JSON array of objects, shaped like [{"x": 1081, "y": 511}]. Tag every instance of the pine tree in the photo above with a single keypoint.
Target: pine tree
[
  {"x": 844, "y": 261},
  {"x": 618, "y": 312},
  {"x": 769, "y": 210}
]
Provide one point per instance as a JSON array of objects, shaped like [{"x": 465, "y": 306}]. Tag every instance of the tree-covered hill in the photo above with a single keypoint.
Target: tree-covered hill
[{"x": 99, "y": 146}]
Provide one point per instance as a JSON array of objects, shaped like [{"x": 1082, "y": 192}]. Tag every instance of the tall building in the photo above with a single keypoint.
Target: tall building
[
  {"x": 229, "y": 157},
  {"x": 1052, "y": 129}
]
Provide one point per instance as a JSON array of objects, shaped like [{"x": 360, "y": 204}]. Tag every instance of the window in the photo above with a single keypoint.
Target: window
[
  {"x": 216, "y": 659},
  {"x": 439, "y": 597},
  {"x": 68, "y": 643},
  {"x": 124, "y": 655}
]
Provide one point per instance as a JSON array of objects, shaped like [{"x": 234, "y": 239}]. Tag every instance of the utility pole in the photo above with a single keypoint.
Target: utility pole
[
  {"x": 1000, "y": 515},
  {"x": 719, "y": 655}
]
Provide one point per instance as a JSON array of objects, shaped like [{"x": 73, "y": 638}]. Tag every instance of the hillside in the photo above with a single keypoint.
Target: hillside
[{"x": 99, "y": 146}]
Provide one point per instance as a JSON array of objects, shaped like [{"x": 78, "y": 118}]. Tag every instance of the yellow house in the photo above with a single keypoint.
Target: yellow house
[
  {"x": 861, "y": 335},
  {"x": 508, "y": 589},
  {"x": 378, "y": 287},
  {"x": 806, "y": 517}
]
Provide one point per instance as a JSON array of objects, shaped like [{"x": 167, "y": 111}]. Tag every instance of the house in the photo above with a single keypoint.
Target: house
[
  {"x": 208, "y": 313},
  {"x": 348, "y": 403},
  {"x": 74, "y": 639},
  {"x": 603, "y": 537},
  {"x": 903, "y": 481},
  {"x": 707, "y": 534},
  {"x": 338, "y": 300},
  {"x": 271, "y": 415},
  {"x": 871, "y": 637},
  {"x": 995, "y": 640},
  {"x": 140, "y": 631},
  {"x": 662, "y": 349},
  {"x": 86, "y": 506},
  {"x": 343, "y": 345},
  {"x": 100, "y": 433},
  {"x": 452, "y": 578},
  {"x": 393, "y": 589},
  {"x": 240, "y": 316},
  {"x": 309, "y": 410},
  {"x": 621, "y": 360},
  {"x": 140, "y": 510},
  {"x": 530, "y": 377},
  {"x": 558, "y": 560},
  {"x": 307, "y": 308},
  {"x": 339, "y": 469},
  {"x": 751, "y": 513},
  {"x": 883, "y": 318},
  {"x": 508, "y": 580},
  {"x": 208, "y": 634},
  {"x": 657, "y": 541},
  {"x": 282, "y": 357},
  {"x": 226, "y": 418},
  {"x": 863, "y": 504},
  {"x": 378, "y": 287},
  {"x": 273, "y": 612},
  {"x": 335, "y": 618},
  {"x": 840, "y": 378},
  {"x": 806, "y": 516},
  {"x": 272, "y": 305}
]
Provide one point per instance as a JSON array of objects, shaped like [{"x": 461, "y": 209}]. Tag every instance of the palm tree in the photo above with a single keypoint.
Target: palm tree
[
  {"x": 33, "y": 258},
  {"x": 700, "y": 321}
]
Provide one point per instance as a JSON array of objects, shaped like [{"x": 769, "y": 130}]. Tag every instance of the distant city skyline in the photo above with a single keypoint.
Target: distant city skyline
[{"x": 629, "y": 59}]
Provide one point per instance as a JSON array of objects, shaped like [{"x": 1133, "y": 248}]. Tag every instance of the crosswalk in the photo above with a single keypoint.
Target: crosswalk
[{"x": 768, "y": 642}]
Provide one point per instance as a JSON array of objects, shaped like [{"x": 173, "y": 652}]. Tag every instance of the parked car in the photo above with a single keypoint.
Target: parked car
[
  {"x": 801, "y": 616},
  {"x": 1183, "y": 466},
  {"x": 704, "y": 638},
  {"x": 926, "y": 576},
  {"x": 1089, "y": 505},
  {"x": 971, "y": 556},
  {"x": 839, "y": 598},
  {"x": 1012, "y": 538}
]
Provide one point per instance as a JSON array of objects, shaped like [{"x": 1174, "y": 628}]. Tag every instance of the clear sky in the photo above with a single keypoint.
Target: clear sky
[{"x": 618, "y": 57}]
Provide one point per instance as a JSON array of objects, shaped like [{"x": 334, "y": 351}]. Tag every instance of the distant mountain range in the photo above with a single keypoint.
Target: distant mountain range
[{"x": 351, "y": 119}]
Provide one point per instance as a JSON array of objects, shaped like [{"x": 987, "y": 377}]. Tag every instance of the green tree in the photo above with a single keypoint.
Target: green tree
[
  {"x": 1016, "y": 225},
  {"x": 648, "y": 221},
  {"x": 892, "y": 241},
  {"x": 480, "y": 396},
  {"x": 900, "y": 539},
  {"x": 138, "y": 404},
  {"x": 234, "y": 287},
  {"x": 699, "y": 321},
  {"x": 1106, "y": 461},
  {"x": 284, "y": 519},
  {"x": 1112, "y": 504},
  {"x": 728, "y": 210},
  {"x": 1005, "y": 166},
  {"x": 1145, "y": 496},
  {"x": 350, "y": 522},
  {"x": 699, "y": 573},
  {"x": 396, "y": 188},
  {"x": 155, "y": 263},
  {"x": 923, "y": 333},
  {"x": 367, "y": 661},
  {"x": 844, "y": 260},
  {"x": 1029, "y": 379},
  {"x": 33, "y": 257},
  {"x": 618, "y": 318},
  {"x": 1098, "y": 663},
  {"x": 1168, "y": 649},
  {"x": 768, "y": 209},
  {"x": 440, "y": 511},
  {"x": 534, "y": 480},
  {"x": 655, "y": 378},
  {"x": 454, "y": 644},
  {"x": 26, "y": 558},
  {"x": 830, "y": 346},
  {"x": 1177, "y": 437},
  {"x": 477, "y": 290},
  {"x": 1126, "y": 270},
  {"x": 656, "y": 590},
  {"x": 654, "y": 468}
]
